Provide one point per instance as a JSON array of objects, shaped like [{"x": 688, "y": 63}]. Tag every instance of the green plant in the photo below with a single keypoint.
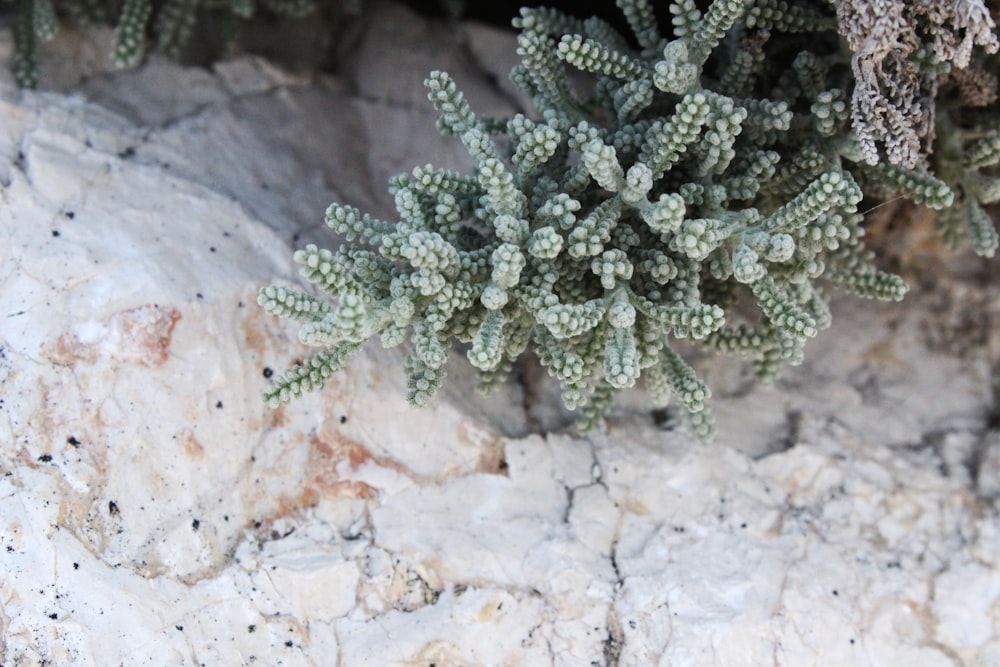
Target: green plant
[{"x": 703, "y": 176}]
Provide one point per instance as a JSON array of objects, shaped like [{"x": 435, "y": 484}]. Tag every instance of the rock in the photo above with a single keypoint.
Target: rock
[{"x": 154, "y": 511}]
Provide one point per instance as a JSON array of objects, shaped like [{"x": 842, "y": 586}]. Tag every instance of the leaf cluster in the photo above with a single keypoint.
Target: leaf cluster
[{"x": 697, "y": 189}]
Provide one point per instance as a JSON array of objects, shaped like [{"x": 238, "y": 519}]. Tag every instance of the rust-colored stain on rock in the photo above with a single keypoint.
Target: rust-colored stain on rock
[
  {"x": 330, "y": 463},
  {"x": 254, "y": 332},
  {"x": 139, "y": 335},
  {"x": 192, "y": 448},
  {"x": 147, "y": 331},
  {"x": 278, "y": 417},
  {"x": 69, "y": 350},
  {"x": 334, "y": 456}
]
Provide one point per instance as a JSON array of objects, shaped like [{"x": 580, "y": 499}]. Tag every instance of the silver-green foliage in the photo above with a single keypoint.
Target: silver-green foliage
[{"x": 684, "y": 191}]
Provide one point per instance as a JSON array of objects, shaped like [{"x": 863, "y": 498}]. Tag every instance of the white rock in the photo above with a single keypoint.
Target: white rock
[
  {"x": 305, "y": 580},
  {"x": 479, "y": 626},
  {"x": 153, "y": 511}
]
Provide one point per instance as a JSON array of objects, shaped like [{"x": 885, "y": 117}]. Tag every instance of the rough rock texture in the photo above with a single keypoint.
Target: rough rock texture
[{"x": 153, "y": 511}]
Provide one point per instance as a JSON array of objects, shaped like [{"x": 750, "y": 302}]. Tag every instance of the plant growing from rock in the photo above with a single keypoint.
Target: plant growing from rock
[{"x": 704, "y": 175}]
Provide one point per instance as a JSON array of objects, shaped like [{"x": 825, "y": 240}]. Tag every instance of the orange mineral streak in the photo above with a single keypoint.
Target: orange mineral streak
[
  {"x": 148, "y": 331},
  {"x": 278, "y": 417},
  {"x": 331, "y": 464},
  {"x": 335, "y": 458},
  {"x": 68, "y": 350},
  {"x": 337, "y": 466},
  {"x": 254, "y": 333},
  {"x": 192, "y": 448},
  {"x": 139, "y": 335}
]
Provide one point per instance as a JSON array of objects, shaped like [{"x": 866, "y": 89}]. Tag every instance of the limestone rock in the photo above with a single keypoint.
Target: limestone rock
[{"x": 154, "y": 511}]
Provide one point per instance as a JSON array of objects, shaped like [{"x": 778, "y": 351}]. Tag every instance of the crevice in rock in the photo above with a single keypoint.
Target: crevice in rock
[
  {"x": 989, "y": 438},
  {"x": 570, "y": 494},
  {"x": 665, "y": 419},
  {"x": 615, "y": 640},
  {"x": 419, "y": 593},
  {"x": 530, "y": 375},
  {"x": 788, "y": 439}
]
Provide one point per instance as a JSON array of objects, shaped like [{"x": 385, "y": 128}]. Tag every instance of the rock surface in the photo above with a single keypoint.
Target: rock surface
[{"x": 154, "y": 511}]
